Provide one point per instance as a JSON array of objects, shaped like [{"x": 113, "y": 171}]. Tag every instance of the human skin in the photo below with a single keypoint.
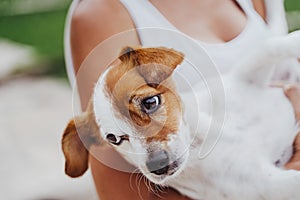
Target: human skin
[
  {"x": 94, "y": 21},
  {"x": 293, "y": 93}
]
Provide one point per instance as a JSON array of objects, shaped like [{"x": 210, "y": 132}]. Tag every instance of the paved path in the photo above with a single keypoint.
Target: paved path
[{"x": 33, "y": 114}]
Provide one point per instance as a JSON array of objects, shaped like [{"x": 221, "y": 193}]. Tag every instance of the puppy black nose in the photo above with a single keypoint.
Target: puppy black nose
[{"x": 158, "y": 162}]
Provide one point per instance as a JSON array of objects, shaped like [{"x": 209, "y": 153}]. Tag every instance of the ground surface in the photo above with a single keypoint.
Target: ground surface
[{"x": 33, "y": 114}]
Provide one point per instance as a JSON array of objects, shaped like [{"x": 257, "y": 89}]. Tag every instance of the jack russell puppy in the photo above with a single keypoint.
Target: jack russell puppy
[{"x": 137, "y": 109}]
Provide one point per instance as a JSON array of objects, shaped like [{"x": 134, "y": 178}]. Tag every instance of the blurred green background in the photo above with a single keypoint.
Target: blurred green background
[
  {"x": 41, "y": 23},
  {"x": 38, "y": 23}
]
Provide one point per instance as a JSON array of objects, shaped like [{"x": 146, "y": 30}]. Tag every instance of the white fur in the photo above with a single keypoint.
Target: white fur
[
  {"x": 259, "y": 130},
  {"x": 276, "y": 16},
  {"x": 256, "y": 138}
]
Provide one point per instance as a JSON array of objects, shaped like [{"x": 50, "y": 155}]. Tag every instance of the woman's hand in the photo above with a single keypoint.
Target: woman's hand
[{"x": 293, "y": 93}]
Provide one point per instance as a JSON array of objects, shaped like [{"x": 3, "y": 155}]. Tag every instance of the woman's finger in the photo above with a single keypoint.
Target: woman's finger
[
  {"x": 293, "y": 165},
  {"x": 293, "y": 93}
]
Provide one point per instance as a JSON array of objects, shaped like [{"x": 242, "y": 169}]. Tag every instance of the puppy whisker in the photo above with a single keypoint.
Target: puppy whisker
[{"x": 136, "y": 171}]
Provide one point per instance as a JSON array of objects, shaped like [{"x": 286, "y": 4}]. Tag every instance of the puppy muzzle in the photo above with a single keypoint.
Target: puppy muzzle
[{"x": 158, "y": 162}]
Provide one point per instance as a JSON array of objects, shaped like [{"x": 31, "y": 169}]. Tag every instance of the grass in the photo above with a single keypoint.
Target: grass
[
  {"x": 292, "y": 5},
  {"x": 44, "y": 31},
  {"x": 293, "y": 16}
]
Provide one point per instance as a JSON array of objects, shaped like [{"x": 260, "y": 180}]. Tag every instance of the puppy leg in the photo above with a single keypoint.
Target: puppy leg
[
  {"x": 276, "y": 16},
  {"x": 257, "y": 68}
]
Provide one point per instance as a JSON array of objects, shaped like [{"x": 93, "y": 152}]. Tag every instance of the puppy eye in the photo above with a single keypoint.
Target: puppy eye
[
  {"x": 113, "y": 139},
  {"x": 151, "y": 104},
  {"x": 116, "y": 140}
]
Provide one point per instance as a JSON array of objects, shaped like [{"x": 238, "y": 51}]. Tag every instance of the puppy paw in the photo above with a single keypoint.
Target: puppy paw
[
  {"x": 284, "y": 46},
  {"x": 293, "y": 44}
]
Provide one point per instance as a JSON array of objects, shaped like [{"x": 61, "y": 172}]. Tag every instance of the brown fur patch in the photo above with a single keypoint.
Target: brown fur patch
[
  {"x": 81, "y": 133},
  {"x": 153, "y": 64},
  {"x": 171, "y": 106},
  {"x": 139, "y": 118},
  {"x": 129, "y": 82}
]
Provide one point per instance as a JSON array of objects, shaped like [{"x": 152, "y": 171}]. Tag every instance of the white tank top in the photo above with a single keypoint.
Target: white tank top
[
  {"x": 145, "y": 15},
  {"x": 155, "y": 30}
]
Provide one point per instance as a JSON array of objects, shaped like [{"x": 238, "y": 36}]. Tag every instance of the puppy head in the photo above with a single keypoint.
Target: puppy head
[
  {"x": 140, "y": 113},
  {"x": 81, "y": 133}
]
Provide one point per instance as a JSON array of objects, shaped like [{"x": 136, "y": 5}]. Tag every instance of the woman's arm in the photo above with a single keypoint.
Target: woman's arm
[
  {"x": 293, "y": 93},
  {"x": 93, "y": 23},
  {"x": 114, "y": 185}
]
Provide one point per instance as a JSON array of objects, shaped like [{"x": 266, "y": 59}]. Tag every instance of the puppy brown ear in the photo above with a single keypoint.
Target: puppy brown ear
[
  {"x": 153, "y": 64},
  {"x": 81, "y": 133},
  {"x": 127, "y": 54},
  {"x": 157, "y": 64},
  {"x": 75, "y": 153}
]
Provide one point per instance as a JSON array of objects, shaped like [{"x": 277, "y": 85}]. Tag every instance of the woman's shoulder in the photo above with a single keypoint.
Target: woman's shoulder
[
  {"x": 104, "y": 15},
  {"x": 94, "y": 21}
]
